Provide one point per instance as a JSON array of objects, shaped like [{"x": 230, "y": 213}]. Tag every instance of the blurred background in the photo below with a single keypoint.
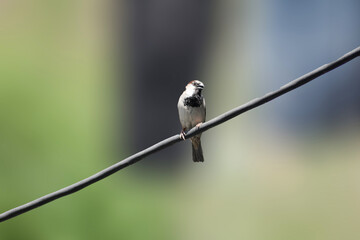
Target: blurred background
[{"x": 84, "y": 84}]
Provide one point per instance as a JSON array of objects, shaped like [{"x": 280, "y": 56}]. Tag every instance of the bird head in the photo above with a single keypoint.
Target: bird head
[{"x": 194, "y": 87}]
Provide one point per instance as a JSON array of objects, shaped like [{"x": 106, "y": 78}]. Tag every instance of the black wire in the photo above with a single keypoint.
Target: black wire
[{"x": 176, "y": 138}]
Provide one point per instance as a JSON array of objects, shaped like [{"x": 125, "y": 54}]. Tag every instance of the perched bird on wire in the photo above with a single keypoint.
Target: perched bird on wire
[{"x": 192, "y": 112}]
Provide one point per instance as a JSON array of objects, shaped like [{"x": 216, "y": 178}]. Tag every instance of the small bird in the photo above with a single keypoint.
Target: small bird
[{"x": 192, "y": 112}]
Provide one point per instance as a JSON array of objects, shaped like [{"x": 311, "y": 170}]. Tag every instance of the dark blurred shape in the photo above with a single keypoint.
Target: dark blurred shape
[
  {"x": 299, "y": 42},
  {"x": 167, "y": 39}
]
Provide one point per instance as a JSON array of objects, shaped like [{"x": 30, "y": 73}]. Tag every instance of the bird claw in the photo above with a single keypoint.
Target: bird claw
[{"x": 182, "y": 135}]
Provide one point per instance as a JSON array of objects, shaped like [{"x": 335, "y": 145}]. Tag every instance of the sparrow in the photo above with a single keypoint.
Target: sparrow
[{"x": 192, "y": 113}]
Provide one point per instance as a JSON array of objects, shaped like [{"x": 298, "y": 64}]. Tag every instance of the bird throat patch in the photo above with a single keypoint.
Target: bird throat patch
[{"x": 194, "y": 101}]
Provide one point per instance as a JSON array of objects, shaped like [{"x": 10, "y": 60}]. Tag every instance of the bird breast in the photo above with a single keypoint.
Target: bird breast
[{"x": 191, "y": 111}]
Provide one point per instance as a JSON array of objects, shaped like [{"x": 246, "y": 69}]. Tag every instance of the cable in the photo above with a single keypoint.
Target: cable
[{"x": 176, "y": 138}]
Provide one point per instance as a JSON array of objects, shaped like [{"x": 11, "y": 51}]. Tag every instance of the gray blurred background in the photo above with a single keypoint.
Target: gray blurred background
[{"x": 84, "y": 84}]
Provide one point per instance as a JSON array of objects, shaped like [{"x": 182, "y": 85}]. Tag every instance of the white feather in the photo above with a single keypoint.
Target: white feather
[{"x": 190, "y": 116}]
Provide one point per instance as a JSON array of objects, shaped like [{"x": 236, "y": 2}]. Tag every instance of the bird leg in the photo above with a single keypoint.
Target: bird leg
[
  {"x": 198, "y": 125},
  {"x": 182, "y": 134}
]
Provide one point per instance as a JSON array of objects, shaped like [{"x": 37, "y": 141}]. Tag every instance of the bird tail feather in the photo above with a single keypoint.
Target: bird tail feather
[{"x": 197, "y": 152}]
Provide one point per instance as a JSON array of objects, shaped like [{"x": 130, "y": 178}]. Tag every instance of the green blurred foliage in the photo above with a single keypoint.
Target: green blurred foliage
[
  {"x": 55, "y": 127},
  {"x": 56, "y": 103}
]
